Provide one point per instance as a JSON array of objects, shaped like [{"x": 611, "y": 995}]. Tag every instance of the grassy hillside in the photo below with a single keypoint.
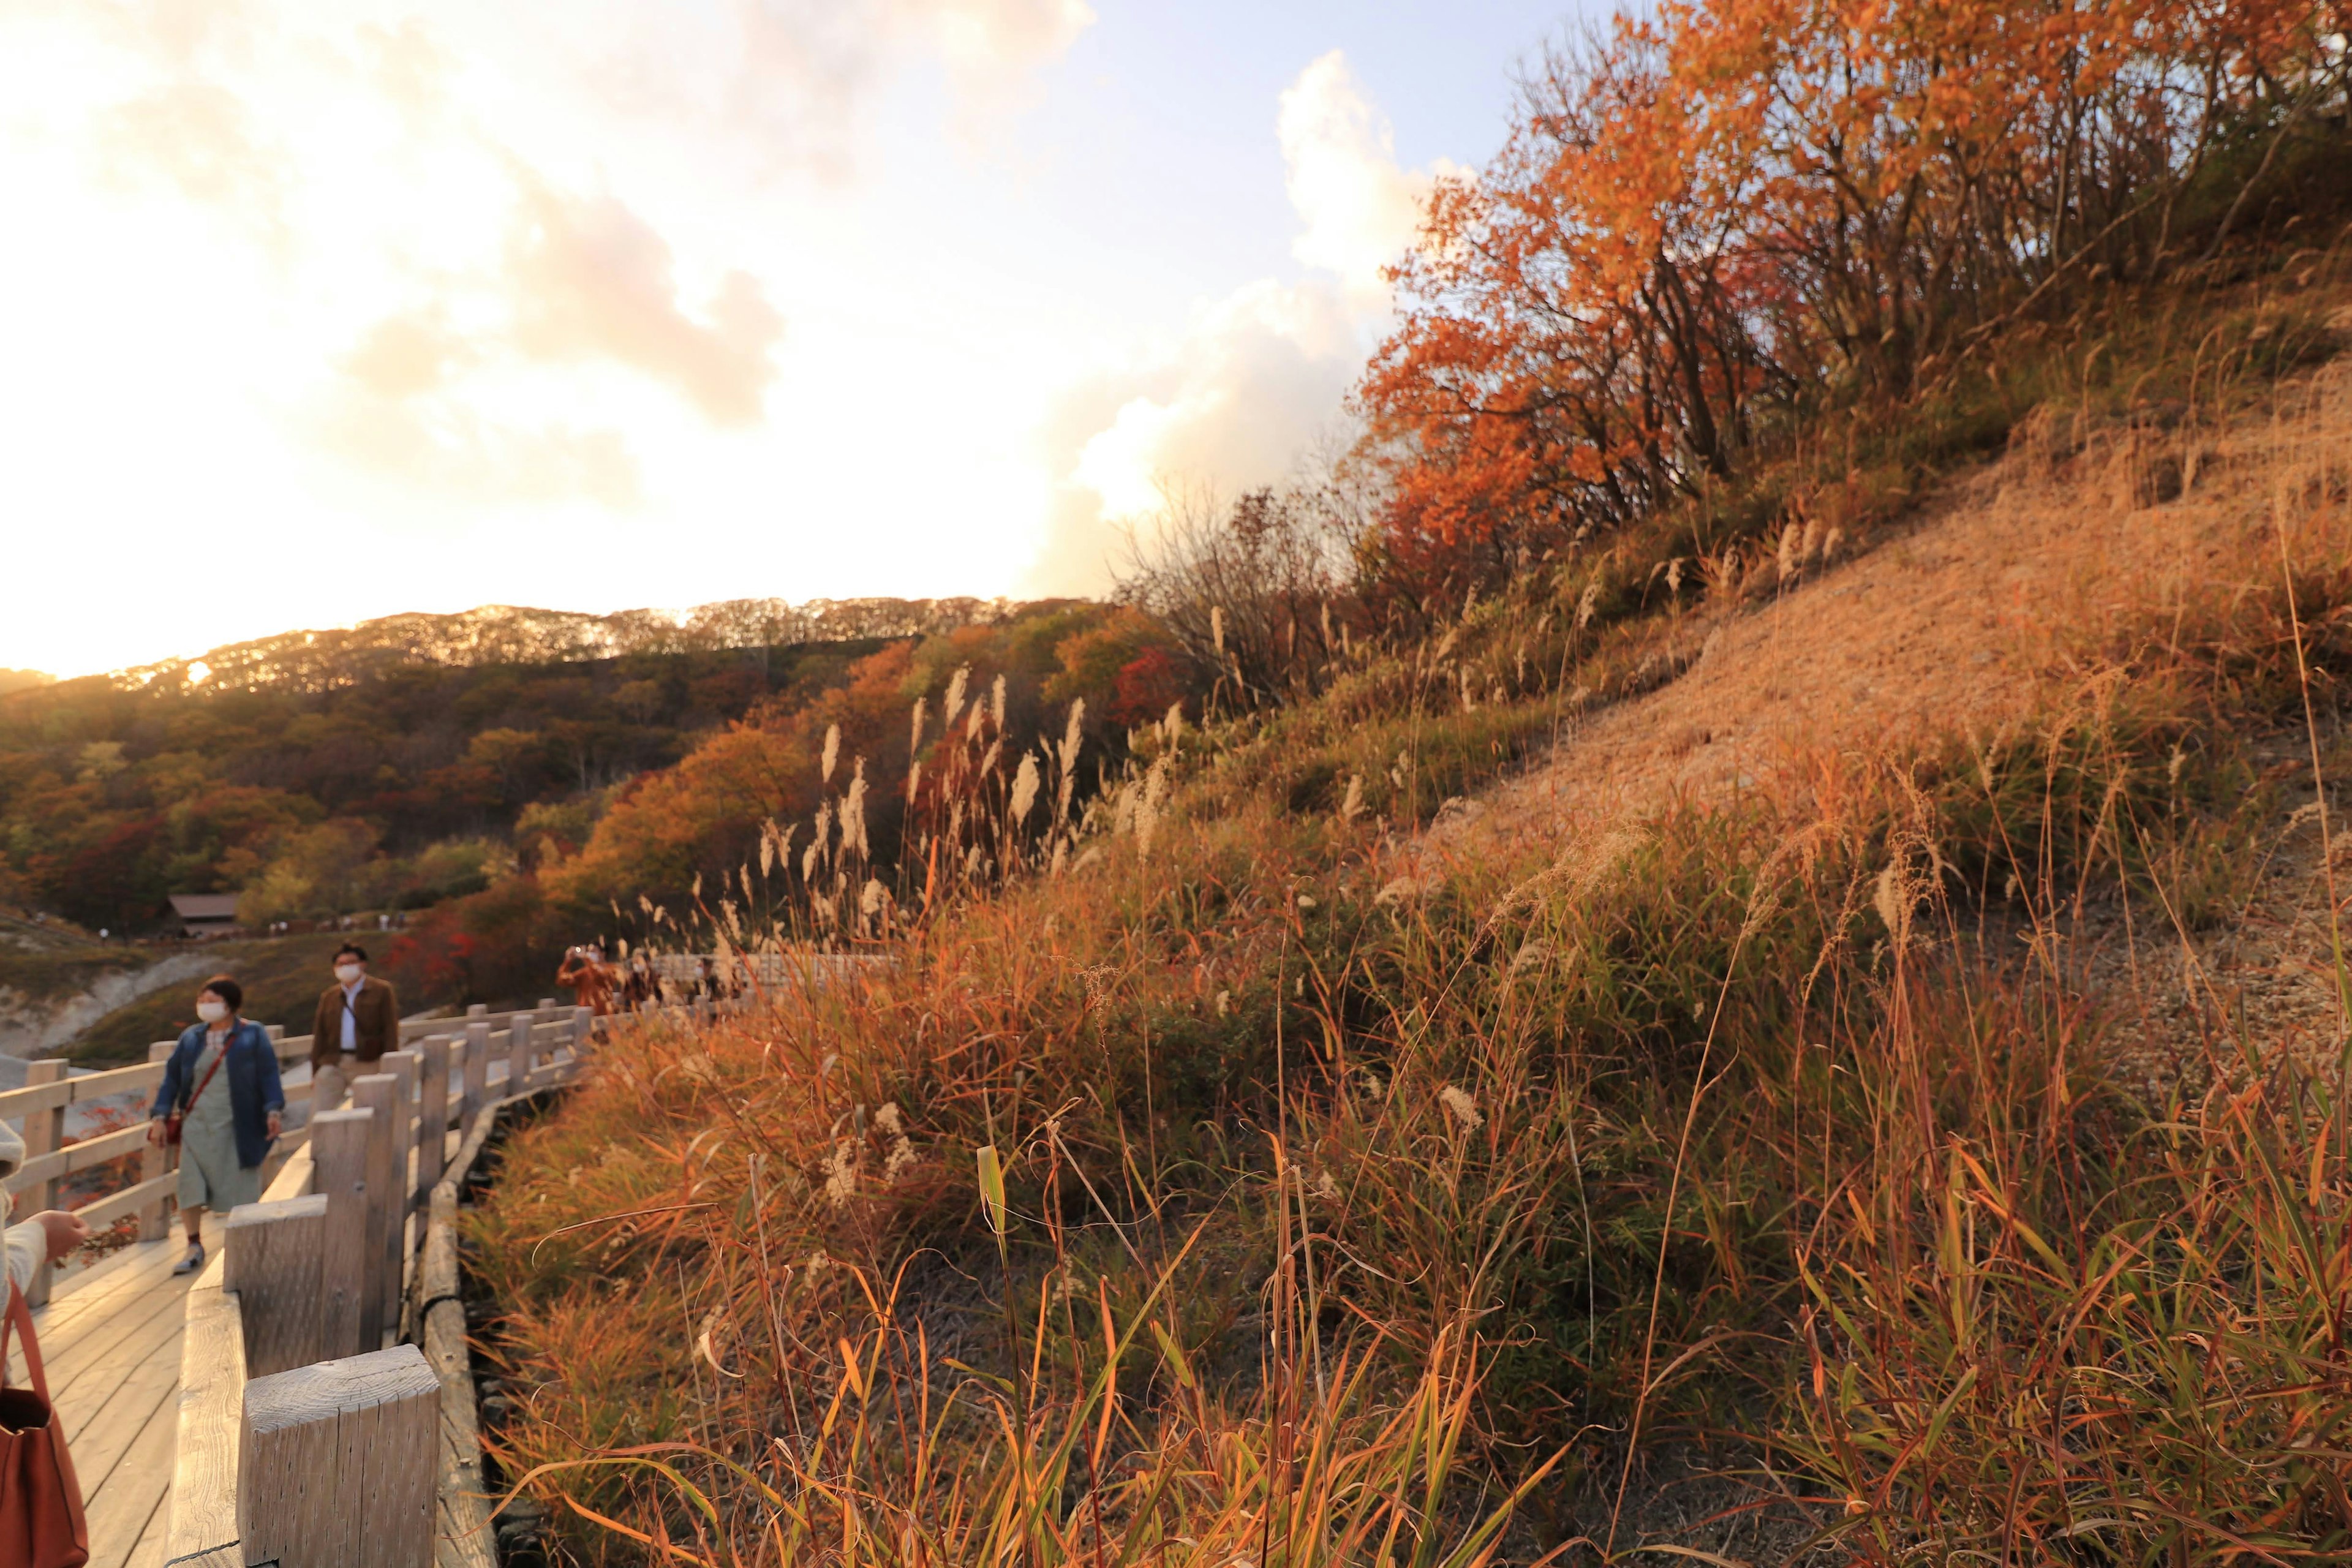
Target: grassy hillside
[
  {"x": 1875, "y": 1088},
  {"x": 47, "y": 958}
]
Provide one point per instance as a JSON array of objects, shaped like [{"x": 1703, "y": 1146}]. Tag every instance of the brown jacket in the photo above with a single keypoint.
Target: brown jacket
[{"x": 375, "y": 1018}]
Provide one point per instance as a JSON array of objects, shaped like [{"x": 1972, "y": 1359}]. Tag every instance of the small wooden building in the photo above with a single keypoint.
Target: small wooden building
[{"x": 204, "y": 914}]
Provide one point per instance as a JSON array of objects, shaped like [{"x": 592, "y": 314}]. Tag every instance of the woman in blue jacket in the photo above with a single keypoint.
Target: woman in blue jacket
[{"x": 222, "y": 1079}]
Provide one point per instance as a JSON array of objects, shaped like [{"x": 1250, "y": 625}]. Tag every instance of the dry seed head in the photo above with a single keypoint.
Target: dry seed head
[
  {"x": 853, "y": 813},
  {"x": 996, "y": 702},
  {"x": 832, "y": 752},
  {"x": 1354, "y": 803},
  {"x": 1024, "y": 789},
  {"x": 1788, "y": 564},
  {"x": 1674, "y": 576},
  {"x": 1464, "y": 1110},
  {"x": 1073, "y": 733},
  {"x": 915, "y": 736},
  {"x": 971, "y": 724},
  {"x": 869, "y": 897},
  {"x": 840, "y": 1170},
  {"x": 955, "y": 695},
  {"x": 1217, "y": 627},
  {"x": 1148, "y": 809}
]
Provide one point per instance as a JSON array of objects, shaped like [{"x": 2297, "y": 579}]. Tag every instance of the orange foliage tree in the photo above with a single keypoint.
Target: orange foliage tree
[{"x": 1704, "y": 215}]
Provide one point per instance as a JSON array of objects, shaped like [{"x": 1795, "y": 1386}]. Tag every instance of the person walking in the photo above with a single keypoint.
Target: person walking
[
  {"x": 225, "y": 1127},
  {"x": 358, "y": 1020}
]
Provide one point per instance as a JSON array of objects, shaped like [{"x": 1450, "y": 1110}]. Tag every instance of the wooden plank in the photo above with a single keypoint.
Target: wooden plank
[
  {"x": 432, "y": 1110},
  {"x": 379, "y": 1093},
  {"x": 127, "y": 1269},
  {"x": 135, "y": 1493},
  {"x": 273, "y": 1252},
  {"x": 212, "y": 1389},
  {"x": 462, "y": 1533},
  {"x": 154, "y": 1165},
  {"x": 146, "y": 1196},
  {"x": 350, "y": 1316},
  {"x": 99, "y": 1442},
  {"x": 339, "y": 1463},
  {"x": 463, "y": 1536},
  {"x": 84, "y": 1367},
  {"x": 45, "y": 1132},
  {"x": 294, "y": 1179},
  {"x": 518, "y": 1055},
  {"x": 45, "y": 1169},
  {"x": 138, "y": 1077},
  {"x": 477, "y": 1073},
  {"x": 407, "y": 1066},
  {"x": 148, "y": 1552}
]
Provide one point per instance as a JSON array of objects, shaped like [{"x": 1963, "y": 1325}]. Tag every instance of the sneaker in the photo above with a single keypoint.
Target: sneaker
[{"x": 192, "y": 1261}]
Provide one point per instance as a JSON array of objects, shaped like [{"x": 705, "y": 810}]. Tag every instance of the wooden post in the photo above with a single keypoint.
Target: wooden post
[
  {"x": 337, "y": 1463},
  {"x": 155, "y": 1161},
  {"x": 477, "y": 1009},
  {"x": 272, "y": 1252},
  {"x": 431, "y": 1115},
  {"x": 386, "y": 1183},
  {"x": 518, "y": 1055},
  {"x": 45, "y": 1133},
  {"x": 477, "y": 1075},
  {"x": 350, "y": 1310}
]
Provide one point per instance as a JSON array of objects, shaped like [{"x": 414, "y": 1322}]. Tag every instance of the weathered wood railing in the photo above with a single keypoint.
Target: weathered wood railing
[
  {"x": 307, "y": 1434},
  {"x": 49, "y": 1092}
]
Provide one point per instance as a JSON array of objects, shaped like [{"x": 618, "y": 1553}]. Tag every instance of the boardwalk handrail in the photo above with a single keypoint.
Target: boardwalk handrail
[
  {"x": 42, "y": 1106},
  {"x": 216, "y": 1496}
]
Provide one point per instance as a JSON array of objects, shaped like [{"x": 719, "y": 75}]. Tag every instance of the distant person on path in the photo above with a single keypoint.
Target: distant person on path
[
  {"x": 222, "y": 1080},
  {"x": 47, "y": 1236},
  {"x": 358, "y": 1020},
  {"x": 590, "y": 978}
]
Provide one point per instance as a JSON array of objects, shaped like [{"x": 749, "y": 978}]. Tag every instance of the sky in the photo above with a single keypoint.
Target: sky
[{"x": 316, "y": 311}]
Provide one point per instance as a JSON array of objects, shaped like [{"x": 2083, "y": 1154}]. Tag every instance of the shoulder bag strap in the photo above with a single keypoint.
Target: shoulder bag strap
[
  {"x": 190, "y": 1103},
  {"x": 20, "y": 1320}
]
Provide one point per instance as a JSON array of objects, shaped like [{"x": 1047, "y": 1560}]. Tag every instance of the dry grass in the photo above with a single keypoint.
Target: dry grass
[{"x": 1767, "y": 1169}]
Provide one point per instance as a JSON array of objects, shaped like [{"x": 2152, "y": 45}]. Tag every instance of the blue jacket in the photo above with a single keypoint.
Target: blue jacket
[{"x": 250, "y": 1074}]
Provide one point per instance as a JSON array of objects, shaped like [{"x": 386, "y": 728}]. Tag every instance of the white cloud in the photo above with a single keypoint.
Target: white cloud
[
  {"x": 793, "y": 77},
  {"x": 591, "y": 280},
  {"x": 1360, "y": 211},
  {"x": 1257, "y": 376}
]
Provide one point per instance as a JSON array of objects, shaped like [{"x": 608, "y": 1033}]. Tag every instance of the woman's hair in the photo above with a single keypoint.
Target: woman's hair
[
  {"x": 226, "y": 989},
  {"x": 354, "y": 949}
]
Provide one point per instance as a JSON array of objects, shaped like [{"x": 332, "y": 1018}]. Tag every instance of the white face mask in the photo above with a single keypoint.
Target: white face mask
[
  {"x": 348, "y": 973},
  {"x": 212, "y": 1012}
]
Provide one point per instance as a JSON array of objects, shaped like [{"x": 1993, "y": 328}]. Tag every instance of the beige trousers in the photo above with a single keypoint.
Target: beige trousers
[{"x": 332, "y": 1083}]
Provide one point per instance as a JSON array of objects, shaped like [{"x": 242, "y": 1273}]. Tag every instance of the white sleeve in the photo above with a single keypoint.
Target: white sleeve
[{"x": 28, "y": 1248}]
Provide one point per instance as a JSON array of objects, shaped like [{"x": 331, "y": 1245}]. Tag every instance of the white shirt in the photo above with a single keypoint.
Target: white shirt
[{"x": 351, "y": 1020}]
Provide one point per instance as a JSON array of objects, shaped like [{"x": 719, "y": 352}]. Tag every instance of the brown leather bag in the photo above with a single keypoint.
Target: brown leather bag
[{"x": 41, "y": 1523}]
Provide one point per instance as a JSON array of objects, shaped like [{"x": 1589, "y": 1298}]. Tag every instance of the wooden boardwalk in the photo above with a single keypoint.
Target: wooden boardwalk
[{"x": 110, "y": 1343}]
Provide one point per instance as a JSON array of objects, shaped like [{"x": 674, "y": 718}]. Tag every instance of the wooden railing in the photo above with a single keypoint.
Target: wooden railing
[
  {"x": 49, "y": 1092},
  {"x": 308, "y": 1433}
]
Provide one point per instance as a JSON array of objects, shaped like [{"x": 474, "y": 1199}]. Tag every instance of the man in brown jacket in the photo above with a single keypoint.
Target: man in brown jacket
[{"x": 358, "y": 1020}]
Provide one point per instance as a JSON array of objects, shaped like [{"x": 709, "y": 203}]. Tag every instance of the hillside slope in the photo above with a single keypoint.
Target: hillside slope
[{"x": 1841, "y": 1071}]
